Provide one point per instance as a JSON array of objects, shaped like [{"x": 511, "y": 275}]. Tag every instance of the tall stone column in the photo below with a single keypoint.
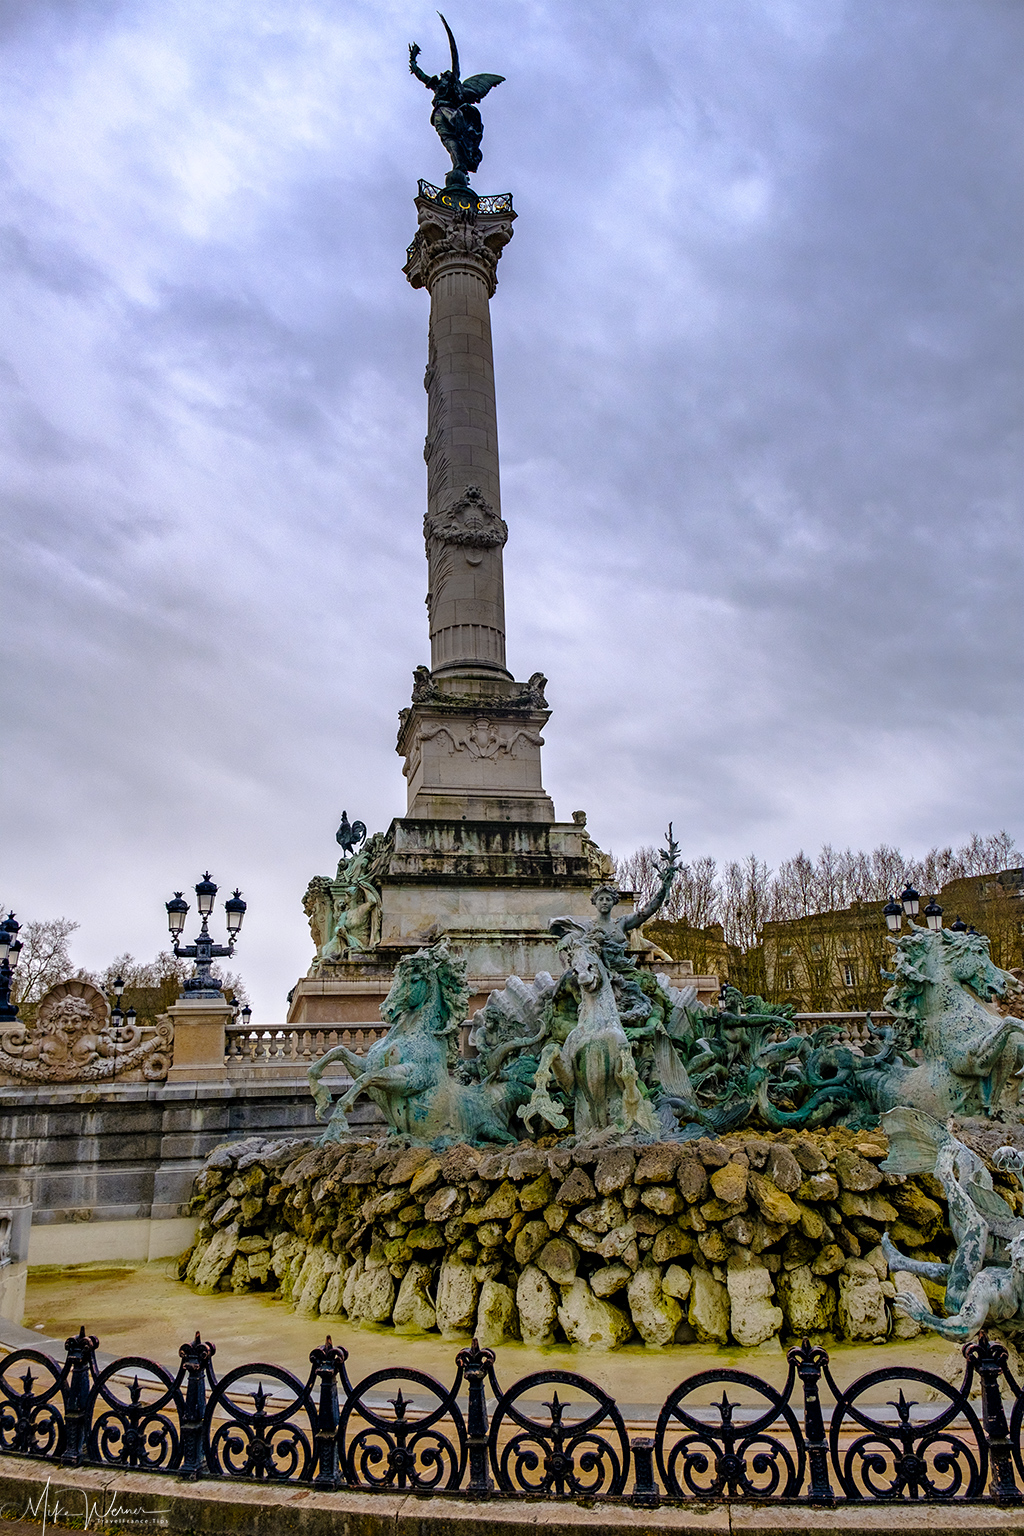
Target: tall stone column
[
  {"x": 471, "y": 740},
  {"x": 455, "y": 257}
]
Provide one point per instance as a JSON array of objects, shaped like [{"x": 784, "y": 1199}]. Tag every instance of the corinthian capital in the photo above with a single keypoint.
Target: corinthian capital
[{"x": 457, "y": 237}]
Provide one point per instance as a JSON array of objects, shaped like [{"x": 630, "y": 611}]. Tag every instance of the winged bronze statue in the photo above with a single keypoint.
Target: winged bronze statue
[{"x": 454, "y": 115}]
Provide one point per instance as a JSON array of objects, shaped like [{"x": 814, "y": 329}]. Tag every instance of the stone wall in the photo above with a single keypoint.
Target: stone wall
[
  {"x": 742, "y": 1240},
  {"x": 108, "y": 1168}
]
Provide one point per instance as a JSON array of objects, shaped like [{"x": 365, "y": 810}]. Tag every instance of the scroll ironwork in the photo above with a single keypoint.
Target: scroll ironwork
[{"x": 896, "y": 1434}]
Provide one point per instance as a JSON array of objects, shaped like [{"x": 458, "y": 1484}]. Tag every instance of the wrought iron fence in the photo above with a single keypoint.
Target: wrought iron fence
[{"x": 401, "y": 1429}]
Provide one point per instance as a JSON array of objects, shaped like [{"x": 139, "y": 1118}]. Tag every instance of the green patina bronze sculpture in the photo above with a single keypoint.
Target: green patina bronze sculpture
[
  {"x": 611, "y": 1048},
  {"x": 454, "y": 115}
]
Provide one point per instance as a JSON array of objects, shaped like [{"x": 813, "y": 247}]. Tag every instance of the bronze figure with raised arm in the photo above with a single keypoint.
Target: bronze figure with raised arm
[
  {"x": 613, "y": 932},
  {"x": 454, "y": 115}
]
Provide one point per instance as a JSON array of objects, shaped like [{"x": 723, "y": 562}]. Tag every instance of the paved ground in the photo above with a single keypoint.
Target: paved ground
[{"x": 143, "y": 1309}]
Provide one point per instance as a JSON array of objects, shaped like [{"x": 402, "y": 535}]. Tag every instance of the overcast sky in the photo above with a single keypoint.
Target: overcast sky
[{"x": 759, "y": 358}]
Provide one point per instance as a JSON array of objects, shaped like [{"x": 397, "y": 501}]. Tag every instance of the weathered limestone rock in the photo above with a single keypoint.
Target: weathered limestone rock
[
  {"x": 426, "y": 1174},
  {"x": 577, "y": 1190},
  {"x": 538, "y": 1193},
  {"x": 874, "y": 1207},
  {"x": 775, "y": 1205},
  {"x": 537, "y": 1305},
  {"x": 820, "y": 1186},
  {"x": 443, "y": 1203},
  {"x": 656, "y": 1316},
  {"x": 810, "y": 1157},
  {"x": 583, "y": 1237},
  {"x": 730, "y": 1183},
  {"x": 614, "y": 1170},
  {"x": 676, "y": 1282},
  {"x": 856, "y": 1173},
  {"x": 312, "y": 1279},
  {"x": 605, "y": 1282},
  {"x": 530, "y": 1240},
  {"x": 784, "y": 1169},
  {"x": 502, "y": 1204},
  {"x": 670, "y": 1243},
  {"x": 753, "y": 1316},
  {"x": 657, "y": 1164},
  {"x": 709, "y": 1308},
  {"x": 495, "y": 1314},
  {"x": 830, "y": 1260},
  {"x": 862, "y": 1312},
  {"x": 603, "y": 1215},
  {"x": 691, "y": 1179},
  {"x": 620, "y": 1244},
  {"x": 589, "y": 1321},
  {"x": 917, "y": 1208},
  {"x": 663, "y": 1199},
  {"x": 904, "y": 1327},
  {"x": 330, "y": 1301},
  {"x": 457, "y": 1294},
  {"x": 559, "y": 1260},
  {"x": 808, "y": 1302},
  {"x": 218, "y": 1255},
  {"x": 414, "y": 1311},
  {"x": 373, "y": 1295}
]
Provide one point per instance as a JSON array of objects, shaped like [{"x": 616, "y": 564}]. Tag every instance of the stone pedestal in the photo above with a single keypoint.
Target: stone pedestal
[{"x": 199, "y": 1040}]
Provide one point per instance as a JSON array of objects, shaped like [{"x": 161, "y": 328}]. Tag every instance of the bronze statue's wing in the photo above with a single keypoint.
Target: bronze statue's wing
[
  {"x": 359, "y": 830},
  {"x": 477, "y": 86}
]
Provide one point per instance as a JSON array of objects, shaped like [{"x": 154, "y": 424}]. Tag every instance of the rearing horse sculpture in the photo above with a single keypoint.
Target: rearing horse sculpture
[
  {"x": 408, "y": 1073},
  {"x": 594, "y": 1064},
  {"x": 973, "y": 1057}
]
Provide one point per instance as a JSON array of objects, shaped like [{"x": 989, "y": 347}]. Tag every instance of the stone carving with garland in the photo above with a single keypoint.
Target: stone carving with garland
[{"x": 72, "y": 1040}]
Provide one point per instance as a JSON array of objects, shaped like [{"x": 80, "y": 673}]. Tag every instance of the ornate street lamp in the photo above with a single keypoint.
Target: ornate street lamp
[
  {"x": 204, "y": 951},
  {"x": 10, "y": 949},
  {"x": 908, "y": 904},
  {"x": 117, "y": 1018},
  {"x": 959, "y": 926}
]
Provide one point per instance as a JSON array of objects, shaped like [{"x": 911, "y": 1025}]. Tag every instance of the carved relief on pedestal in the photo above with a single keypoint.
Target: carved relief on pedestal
[
  {"x": 72, "y": 1039},
  {"x": 484, "y": 738}
]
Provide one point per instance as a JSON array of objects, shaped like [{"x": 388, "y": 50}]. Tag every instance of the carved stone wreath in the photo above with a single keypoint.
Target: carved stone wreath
[{"x": 470, "y": 520}]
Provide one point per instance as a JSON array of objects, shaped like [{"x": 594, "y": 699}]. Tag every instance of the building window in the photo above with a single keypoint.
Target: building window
[
  {"x": 787, "y": 949},
  {"x": 788, "y": 980},
  {"x": 815, "y": 948},
  {"x": 849, "y": 976}
]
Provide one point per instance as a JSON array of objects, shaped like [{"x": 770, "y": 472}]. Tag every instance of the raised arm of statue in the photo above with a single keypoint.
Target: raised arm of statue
[
  {"x": 430, "y": 81},
  {"x": 669, "y": 859}
]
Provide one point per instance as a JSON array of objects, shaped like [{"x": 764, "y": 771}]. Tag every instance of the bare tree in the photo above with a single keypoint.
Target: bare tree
[{"x": 44, "y": 961}]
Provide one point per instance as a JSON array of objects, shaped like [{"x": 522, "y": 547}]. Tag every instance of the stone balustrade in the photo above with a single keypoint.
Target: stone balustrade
[{"x": 287, "y": 1050}]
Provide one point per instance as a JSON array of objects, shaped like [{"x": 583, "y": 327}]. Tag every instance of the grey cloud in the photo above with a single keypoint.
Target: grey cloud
[{"x": 759, "y": 396}]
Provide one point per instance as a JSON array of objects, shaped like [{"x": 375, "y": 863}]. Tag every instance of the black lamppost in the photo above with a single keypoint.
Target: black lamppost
[
  {"x": 10, "y": 949},
  {"x": 201, "y": 983},
  {"x": 933, "y": 915},
  {"x": 117, "y": 1018},
  {"x": 908, "y": 904}
]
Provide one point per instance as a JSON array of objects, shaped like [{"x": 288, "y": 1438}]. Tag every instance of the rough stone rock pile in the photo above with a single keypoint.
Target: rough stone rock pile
[{"x": 741, "y": 1239}]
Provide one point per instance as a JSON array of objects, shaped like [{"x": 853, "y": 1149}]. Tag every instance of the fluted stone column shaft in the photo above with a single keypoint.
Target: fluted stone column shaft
[{"x": 455, "y": 256}]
